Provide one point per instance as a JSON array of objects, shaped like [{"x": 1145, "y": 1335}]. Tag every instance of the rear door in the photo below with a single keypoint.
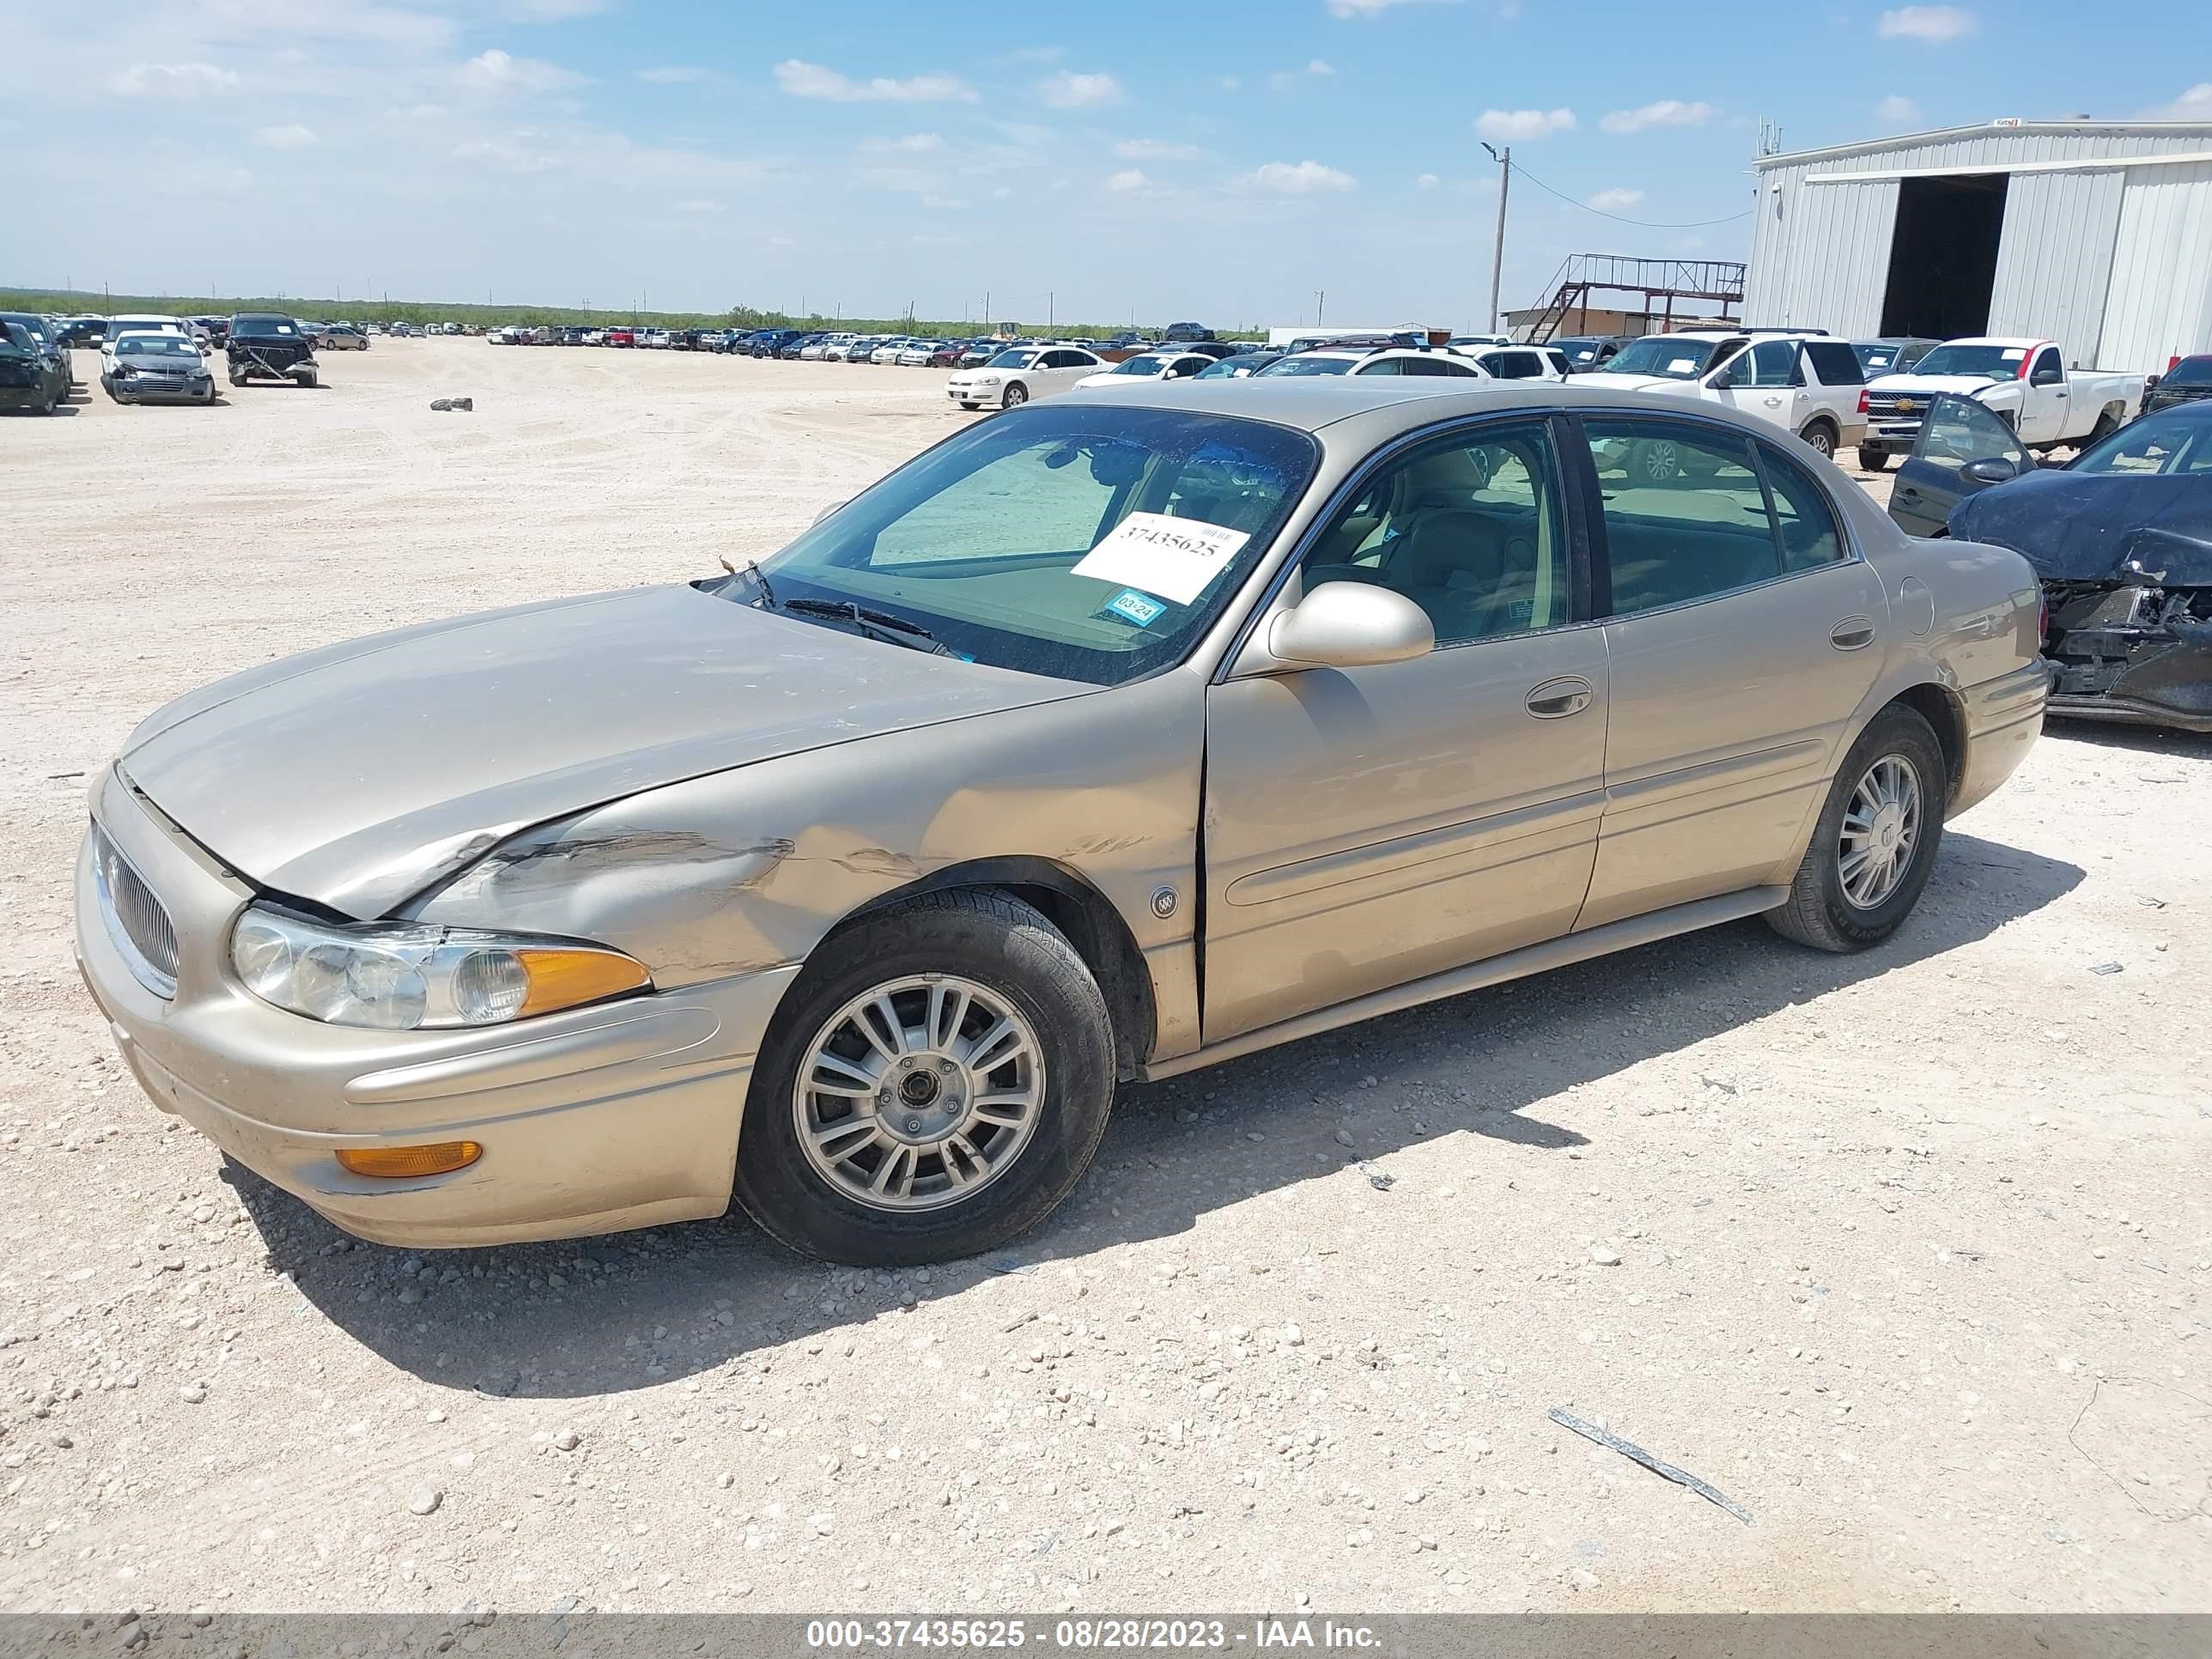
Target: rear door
[
  {"x": 1761, "y": 380},
  {"x": 1742, "y": 633},
  {"x": 1958, "y": 433}
]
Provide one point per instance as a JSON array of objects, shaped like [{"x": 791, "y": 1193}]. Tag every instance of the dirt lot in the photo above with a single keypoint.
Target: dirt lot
[{"x": 1913, "y": 1248}]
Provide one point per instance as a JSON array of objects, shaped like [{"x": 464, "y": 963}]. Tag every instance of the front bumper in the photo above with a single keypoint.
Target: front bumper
[
  {"x": 624, "y": 1114},
  {"x": 146, "y": 389}
]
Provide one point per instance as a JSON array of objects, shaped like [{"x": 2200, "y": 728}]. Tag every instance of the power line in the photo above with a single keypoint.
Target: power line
[{"x": 1647, "y": 224}]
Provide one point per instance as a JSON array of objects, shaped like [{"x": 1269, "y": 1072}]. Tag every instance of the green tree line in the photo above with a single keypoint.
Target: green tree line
[{"x": 79, "y": 303}]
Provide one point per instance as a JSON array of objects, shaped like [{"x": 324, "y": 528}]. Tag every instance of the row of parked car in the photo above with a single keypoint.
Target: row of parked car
[{"x": 148, "y": 357}]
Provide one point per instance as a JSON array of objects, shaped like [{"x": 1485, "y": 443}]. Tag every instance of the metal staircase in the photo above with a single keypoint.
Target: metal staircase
[{"x": 1582, "y": 274}]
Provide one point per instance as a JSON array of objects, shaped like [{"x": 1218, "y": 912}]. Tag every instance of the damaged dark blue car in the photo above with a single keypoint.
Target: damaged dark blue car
[{"x": 2120, "y": 537}]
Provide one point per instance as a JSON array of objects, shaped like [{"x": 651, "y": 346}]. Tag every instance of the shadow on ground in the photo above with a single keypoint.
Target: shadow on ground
[{"x": 633, "y": 1311}]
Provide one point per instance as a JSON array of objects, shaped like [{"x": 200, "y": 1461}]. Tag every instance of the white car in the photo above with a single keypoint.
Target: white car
[
  {"x": 822, "y": 348},
  {"x": 917, "y": 353},
  {"x": 1807, "y": 384},
  {"x": 1392, "y": 360},
  {"x": 889, "y": 351},
  {"x": 1150, "y": 366},
  {"x": 145, "y": 322},
  {"x": 655, "y": 339},
  {"x": 2025, "y": 383},
  {"x": 1522, "y": 362},
  {"x": 1471, "y": 343},
  {"x": 1020, "y": 373}
]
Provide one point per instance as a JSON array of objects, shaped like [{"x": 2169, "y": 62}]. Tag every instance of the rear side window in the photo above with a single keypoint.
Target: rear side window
[
  {"x": 1836, "y": 363},
  {"x": 1381, "y": 366},
  {"x": 1804, "y": 522},
  {"x": 1686, "y": 514}
]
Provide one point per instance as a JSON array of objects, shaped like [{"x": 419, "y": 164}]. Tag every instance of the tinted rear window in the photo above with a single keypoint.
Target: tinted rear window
[
  {"x": 2189, "y": 370},
  {"x": 1836, "y": 363}
]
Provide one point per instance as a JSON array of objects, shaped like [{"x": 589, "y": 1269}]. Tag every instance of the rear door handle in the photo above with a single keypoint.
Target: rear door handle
[
  {"x": 1852, "y": 634},
  {"x": 1556, "y": 699}
]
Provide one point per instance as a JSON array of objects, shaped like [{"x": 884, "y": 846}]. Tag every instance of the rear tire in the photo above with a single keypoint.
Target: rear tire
[
  {"x": 1820, "y": 436},
  {"x": 832, "y": 1203},
  {"x": 1874, "y": 460},
  {"x": 1840, "y": 900}
]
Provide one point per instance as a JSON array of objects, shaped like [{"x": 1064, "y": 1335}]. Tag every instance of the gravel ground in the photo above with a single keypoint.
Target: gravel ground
[{"x": 1906, "y": 1253}]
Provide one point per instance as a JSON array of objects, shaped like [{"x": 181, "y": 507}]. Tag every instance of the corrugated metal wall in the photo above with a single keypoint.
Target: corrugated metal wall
[
  {"x": 2055, "y": 260},
  {"x": 2103, "y": 261},
  {"x": 2160, "y": 304}
]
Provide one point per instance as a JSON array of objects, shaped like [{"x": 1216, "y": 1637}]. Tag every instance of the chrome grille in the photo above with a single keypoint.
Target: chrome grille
[{"x": 137, "y": 922}]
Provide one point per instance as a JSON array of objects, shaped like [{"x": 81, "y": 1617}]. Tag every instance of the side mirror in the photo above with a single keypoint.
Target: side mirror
[
  {"x": 1721, "y": 380},
  {"x": 1343, "y": 624},
  {"x": 2048, "y": 377},
  {"x": 1990, "y": 470},
  {"x": 2150, "y": 382}
]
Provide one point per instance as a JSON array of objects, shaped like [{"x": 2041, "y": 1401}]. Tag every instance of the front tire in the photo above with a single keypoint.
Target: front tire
[
  {"x": 1874, "y": 460},
  {"x": 965, "y": 404},
  {"x": 1016, "y": 395},
  {"x": 938, "y": 1080},
  {"x": 1875, "y": 843}
]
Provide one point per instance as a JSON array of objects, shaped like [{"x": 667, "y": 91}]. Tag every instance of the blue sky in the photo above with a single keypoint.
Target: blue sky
[{"x": 1226, "y": 161}]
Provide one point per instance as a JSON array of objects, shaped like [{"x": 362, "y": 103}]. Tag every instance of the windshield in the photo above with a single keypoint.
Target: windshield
[
  {"x": 1874, "y": 359},
  {"x": 2175, "y": 443},
  {"x": 2189, "y": 370},
  {"x": 1300, "y": 365},
  {"x": 1012, "y": 360},
  {"x": 1668, "y": 356},
  {"x": 1995, "y": 363},
  {"x": 1153, "y": 364},
  {"x": 1085, "y": 543},
  {"x": 156, "y": 345},
  {"x": 258, "y": 324}
]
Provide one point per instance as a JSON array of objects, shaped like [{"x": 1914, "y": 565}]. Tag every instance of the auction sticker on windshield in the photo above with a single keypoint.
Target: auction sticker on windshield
[{"x": 1175, "y": 558}]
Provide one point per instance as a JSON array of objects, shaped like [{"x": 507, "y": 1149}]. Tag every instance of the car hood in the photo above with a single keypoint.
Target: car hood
[
  {"x": 2095, "y": 527},
  {"x": 359, "y": 775}
]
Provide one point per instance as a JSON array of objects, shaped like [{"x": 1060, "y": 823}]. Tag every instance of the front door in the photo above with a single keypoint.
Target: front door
[
  {"x": 2047, "y": 405},
  {"x": 1371, "y": 826},
  {"x": 1742, "y": 636},
  {"x": 1963, "y": 448}
]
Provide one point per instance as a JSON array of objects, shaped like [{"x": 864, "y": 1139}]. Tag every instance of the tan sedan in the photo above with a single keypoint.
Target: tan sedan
[{"x": 1103, "y": 740}]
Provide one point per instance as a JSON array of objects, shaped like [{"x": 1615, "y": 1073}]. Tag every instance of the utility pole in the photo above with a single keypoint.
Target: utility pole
[
  {"x": 1498, "y": 248},
  {"x": 1321, "y": 298}
]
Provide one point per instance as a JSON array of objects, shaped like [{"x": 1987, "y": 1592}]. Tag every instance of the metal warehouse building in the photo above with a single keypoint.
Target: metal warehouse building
[{"x": 2097, "y": 235}]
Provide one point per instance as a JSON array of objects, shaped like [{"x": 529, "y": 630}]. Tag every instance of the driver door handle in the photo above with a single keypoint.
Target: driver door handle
[{"x": 1556, "y": 699}]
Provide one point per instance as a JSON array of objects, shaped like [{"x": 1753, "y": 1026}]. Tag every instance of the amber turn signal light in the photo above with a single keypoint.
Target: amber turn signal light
[{"x": 400, "y": 1162}]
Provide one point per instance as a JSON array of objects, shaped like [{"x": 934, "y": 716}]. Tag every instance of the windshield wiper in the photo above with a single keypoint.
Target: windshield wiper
[{"x": 879, "y": 624}]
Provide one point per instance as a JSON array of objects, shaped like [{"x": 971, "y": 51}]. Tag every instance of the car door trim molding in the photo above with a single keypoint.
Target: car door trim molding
[{"x": 1551, "y": 953}]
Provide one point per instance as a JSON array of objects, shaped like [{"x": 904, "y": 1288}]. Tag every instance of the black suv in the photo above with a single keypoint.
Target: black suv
[{"x": 263, "y": 345}]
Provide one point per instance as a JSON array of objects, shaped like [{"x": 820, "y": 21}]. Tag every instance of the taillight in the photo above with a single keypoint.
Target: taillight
[
  {"x": 1862, "y": 400},
  {"x": 2042, "y": 619}
]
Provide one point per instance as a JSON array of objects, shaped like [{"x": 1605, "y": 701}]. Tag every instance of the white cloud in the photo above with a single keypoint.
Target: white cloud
[
  {"x": 1127, "y": 181},
  {"x": 498, "y": 71},
  {"x": 1282, "y": 81},
  {"x": 1523, "y": 124},
  {"x": 677, "y": 75},
  {"x": 804, "y": 80},
  {"x": 1611, "y": 201},
  {"x": 1936, "y": 23},
  {"x": 174, "y": 80},
  {"x": 697, "y": 204},
  {"x": 1667, "y": 113},
  {"x": 913, "y": 143},
  {"x": 1317, "y": 66},
  {"x": 1231, "y": 84},
  {"x": 1068, "y": 90},
  {"x": 1903, "y": 111},
  {"x": 289, "y": 137},
  {"x": 1427, "y": 181},
  {"x": 2194, "y": 105},
  {"x": 1299, "y": 179},
  {"x": 1156, "y": 149}
]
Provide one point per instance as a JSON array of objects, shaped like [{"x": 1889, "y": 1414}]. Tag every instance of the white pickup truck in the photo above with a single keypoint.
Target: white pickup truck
[{"x": 2025, "y": 383}]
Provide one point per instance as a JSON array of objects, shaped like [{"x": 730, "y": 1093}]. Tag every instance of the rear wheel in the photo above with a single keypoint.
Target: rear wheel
[
  {"x": 1655, "y": 460},
  {"x": 1016, "y": 395},
  {"x": 1874, "y": 460},
  {"x": 1875, "y": 843},
  {"x": 936, "y": 1083},
  {"x": 1821, "y": 436}
]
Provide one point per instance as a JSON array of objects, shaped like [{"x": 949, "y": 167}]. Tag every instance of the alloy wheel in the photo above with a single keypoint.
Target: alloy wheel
[{"x": 1882, "y": 828}]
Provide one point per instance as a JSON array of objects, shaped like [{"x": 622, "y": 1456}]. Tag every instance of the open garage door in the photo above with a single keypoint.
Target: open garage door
[{"x": 1944, "y": 255}]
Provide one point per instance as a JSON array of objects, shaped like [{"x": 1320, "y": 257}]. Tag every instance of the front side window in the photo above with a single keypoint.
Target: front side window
[
  {"x": 2049, "y": 371},
  {"x": 1468, "y": 528},
  {"x": 1146, "y": 366},
  {"x": 1013, "y": 359},
  {"x": 1958, "y": 430},
  {"x": 1086, "y": 544},
  {"x": 1685, "y": 517}
]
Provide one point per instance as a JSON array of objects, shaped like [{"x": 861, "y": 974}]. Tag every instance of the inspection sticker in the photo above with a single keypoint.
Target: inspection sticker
[
  {"x": 1173, "y": 557},
  {"x": 1131, "y": 606},
  {"x": 1683, "y": 366}
]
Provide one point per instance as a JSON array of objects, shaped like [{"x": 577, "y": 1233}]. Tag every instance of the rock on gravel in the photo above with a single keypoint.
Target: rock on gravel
[{"x": 424, "y": 1500}]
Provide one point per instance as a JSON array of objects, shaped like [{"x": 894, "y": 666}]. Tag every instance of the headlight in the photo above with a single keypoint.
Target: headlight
[
  {"x": 987, "y": 380},
  {"x": 401, "y": 976}
]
